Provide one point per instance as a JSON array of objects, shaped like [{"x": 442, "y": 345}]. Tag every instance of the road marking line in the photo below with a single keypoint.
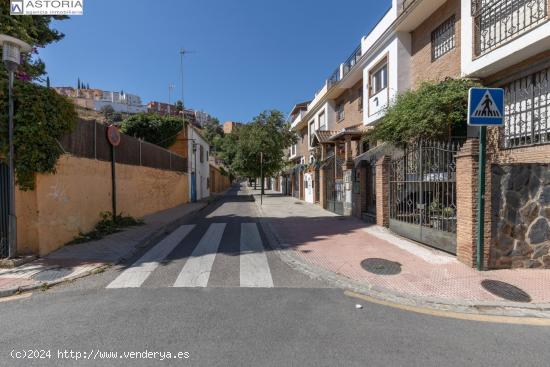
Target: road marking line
[
  {"x": 197, "y": 268},
  {"x": 134, "y": 276},
  {"x": 533, "y": 321},
  {"x": 255, "y": 270}
]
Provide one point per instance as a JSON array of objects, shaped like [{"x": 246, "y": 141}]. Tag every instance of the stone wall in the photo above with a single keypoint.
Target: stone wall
[{"x": 521, "y": 216}]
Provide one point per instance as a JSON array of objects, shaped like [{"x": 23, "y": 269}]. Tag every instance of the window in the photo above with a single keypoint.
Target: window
[
  {"x": 360, "y": 98},
  {"x": 311, "y": 132},
  {"x": 443, "y": 38},
  {"x": 322, "y": 121},
  {"x": 311, "y": 159},
  {"x": 207, "y": 156},
  {"x": 379, "y": 79},
  {"x": 340, "y": 111},
  {"x": 201, "y": 153}
]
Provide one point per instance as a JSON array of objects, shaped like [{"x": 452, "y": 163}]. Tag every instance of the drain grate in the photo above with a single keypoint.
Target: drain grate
[
  {"x": 506, "y": 291},
  {"x": 381, "y": 266},
  {"x": 52, "y": 274}
]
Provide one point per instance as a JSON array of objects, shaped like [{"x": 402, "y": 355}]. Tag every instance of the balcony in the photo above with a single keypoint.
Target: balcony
[
  {"x": 497, "y": 22},
  {"x": 352, "y": 60},
  {"x": 334, "y": 78}
]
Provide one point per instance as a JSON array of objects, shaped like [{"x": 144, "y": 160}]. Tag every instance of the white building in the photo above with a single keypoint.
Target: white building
[{"x": 198, "y": 153}]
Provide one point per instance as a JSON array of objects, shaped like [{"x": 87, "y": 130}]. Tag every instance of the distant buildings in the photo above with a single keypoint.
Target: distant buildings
[
  {"x": 96, "y": 99},
  {"x": 229, "y": 126},
  {"x": 197, "y": 118}
]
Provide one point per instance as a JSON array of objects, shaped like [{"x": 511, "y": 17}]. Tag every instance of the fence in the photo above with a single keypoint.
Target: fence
[
  {"x": 527, "y": 111},
  {"x": 499, "y": 21},
  {"x": 89, "y": 140}
]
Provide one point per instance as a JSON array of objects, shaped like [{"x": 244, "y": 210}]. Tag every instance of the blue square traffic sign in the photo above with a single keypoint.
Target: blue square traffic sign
[{"x": 486, "y": 107}]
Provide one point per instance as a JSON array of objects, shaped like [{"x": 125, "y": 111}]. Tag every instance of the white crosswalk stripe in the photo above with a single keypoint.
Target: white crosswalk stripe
[
  {"x": 197, "y": 269},
  {"x": 255, "y": 270},
  {"x": 134, "y": 276}
]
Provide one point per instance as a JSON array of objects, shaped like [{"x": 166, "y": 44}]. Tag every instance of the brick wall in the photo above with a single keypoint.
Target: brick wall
[
  {"x": 423, "y": 68},
  {"x": 353, "y": 112},
  {"x": 382, "y": 192}
]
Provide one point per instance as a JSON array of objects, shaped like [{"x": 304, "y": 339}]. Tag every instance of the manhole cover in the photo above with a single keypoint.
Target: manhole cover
[
  {"x": 506, "y": 291},
  {"x": 381, "y": 266},
  {"x": 52, "y": 274}
]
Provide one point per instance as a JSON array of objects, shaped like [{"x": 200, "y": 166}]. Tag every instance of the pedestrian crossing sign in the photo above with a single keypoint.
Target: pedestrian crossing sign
[{"x": 486, "y": 107}]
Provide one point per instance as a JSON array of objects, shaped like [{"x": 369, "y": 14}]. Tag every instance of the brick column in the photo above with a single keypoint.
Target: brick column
[
  {"x": 466, "y": 200},
  {"x": 382, "y": 191}
]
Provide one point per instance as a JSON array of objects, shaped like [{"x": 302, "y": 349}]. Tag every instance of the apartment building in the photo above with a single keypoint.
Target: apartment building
[{"x": 499, "y": 43}]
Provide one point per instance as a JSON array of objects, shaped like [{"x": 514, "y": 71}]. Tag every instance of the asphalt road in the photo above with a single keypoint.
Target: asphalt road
[{"x": 212, "y": 292}]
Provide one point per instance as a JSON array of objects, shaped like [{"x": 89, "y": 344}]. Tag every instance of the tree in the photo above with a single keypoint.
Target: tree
[
  {"x": 213, "y": 132},
  {"x": 107, "y": 111},
  {"x": 47, "y": 82},
  {"x": 433, "y": 111},
  {"x": 179, "y": 106},
  {"x": 78, "y": 85},
  {"x": 268, "y": 135},
  {"x": 153, "y": 128},
  {"x": 36, "y": 31}
]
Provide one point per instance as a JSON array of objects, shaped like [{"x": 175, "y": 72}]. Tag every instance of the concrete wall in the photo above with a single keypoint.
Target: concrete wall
[
  {"x": 218, "y": 182},
  {"x": 69, "y": 201}
]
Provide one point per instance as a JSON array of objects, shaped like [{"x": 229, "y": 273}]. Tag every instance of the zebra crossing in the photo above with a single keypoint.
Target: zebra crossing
[{"x": 254, "y": 267}]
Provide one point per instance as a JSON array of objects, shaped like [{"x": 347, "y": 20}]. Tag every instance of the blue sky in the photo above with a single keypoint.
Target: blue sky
[{"x": 249, "y": 55}]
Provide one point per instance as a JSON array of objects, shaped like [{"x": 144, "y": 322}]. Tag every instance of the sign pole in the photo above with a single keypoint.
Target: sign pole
[
  {"x": 485, "y": 108},
  {"x": 481, "y": 197}
]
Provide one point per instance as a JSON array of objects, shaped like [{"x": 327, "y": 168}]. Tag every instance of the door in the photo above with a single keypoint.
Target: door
[
  {"x": 193, "y": 187},
  {"x": 334, "y": 186},
  {"x": 308, "y": 187}
]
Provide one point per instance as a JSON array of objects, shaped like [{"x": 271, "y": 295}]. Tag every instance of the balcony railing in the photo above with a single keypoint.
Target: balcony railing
[
  {"x": 499, "y": 21},
  {"x": 352, "y": 60},
  {"x": 334, "y": 78}
]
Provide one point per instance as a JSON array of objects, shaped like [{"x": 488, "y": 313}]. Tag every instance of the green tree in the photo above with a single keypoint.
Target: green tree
[
  {"x": 153, "y": 128},
  {"x": 213, "y": 132},
  {"x": 268, "y": 135},
  {"x": 36, "y": 31},
  {"x": 436, "y": 110},
  {"x": 108, "y": 112},
  {"x": 179, "y": 106}
]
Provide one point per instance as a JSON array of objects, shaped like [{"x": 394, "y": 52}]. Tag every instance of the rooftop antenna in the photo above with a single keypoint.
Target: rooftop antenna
[{"x": 183, "y": 52}]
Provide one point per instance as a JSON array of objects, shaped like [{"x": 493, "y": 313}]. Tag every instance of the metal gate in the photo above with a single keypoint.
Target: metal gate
[
  {"x": 316, "y": 185},
  {"x": 334, "y": 187},
  {"x": 4, "y": 210},
  {"x": 296, "y": 182},
  {"x": 423, "y": 194}
]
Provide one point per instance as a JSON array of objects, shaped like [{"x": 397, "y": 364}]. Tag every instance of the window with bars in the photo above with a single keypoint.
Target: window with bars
[
  {"x": 527, "y": 111},
  {"x": 443, "y": 38}
]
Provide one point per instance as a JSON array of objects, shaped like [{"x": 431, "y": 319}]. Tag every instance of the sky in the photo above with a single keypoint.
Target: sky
[{"x": 247, "y": 55}]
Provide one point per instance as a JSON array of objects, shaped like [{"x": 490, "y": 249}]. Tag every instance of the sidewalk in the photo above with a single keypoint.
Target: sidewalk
[
  {"x": 75, "y": 261},
  {"x": 331, "y": 247}
]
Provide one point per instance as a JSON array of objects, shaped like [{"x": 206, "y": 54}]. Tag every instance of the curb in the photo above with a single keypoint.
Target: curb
[
  {"x": 153, "y": 237},
  {"x": 508, "y": 309}
]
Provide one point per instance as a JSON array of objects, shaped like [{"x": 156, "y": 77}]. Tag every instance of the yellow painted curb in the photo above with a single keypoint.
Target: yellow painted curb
[
  {"x": 533, "y": 321},
  {"x": 16, "y": 297}
]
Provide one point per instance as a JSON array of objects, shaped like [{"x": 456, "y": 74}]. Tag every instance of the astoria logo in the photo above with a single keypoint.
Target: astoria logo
[{"x": 47, "y": 7}]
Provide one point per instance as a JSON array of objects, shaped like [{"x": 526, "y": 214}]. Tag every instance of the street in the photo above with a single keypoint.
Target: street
[{"x": 214, "y": 291}]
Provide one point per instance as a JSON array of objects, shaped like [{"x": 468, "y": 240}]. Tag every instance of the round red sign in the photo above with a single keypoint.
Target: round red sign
[{"x": 113, "y": 135}]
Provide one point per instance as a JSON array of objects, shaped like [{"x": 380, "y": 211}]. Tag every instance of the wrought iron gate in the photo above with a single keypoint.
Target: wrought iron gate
[
  {"x": 296, "y": 183},
  {"x": 316, "y": 186},
  {"x": 423, "y": 194},
  {"x": 334, "y": 187},
  {"x": 4, "y": 211}
]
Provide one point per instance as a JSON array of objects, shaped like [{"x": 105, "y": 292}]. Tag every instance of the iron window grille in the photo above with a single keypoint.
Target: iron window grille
[
  {"x": 443, "y": 38},
  {"x": 499, "y": 21},
  {"x": 340, "y": 114},
  {"x": 527, "y": 111}
]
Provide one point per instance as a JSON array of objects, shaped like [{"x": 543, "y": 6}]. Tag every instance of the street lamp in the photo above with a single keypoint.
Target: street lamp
[{"x": 11, "y": 56}]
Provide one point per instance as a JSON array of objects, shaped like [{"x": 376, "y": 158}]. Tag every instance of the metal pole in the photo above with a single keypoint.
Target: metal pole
[
  {"x": 481, "y": 197},
  {"x": 12, "y": 221},
  {"x": 182, "y": 52},
  {"x": 113, "y": 180},
  {"x": 262, "y": 178}
]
